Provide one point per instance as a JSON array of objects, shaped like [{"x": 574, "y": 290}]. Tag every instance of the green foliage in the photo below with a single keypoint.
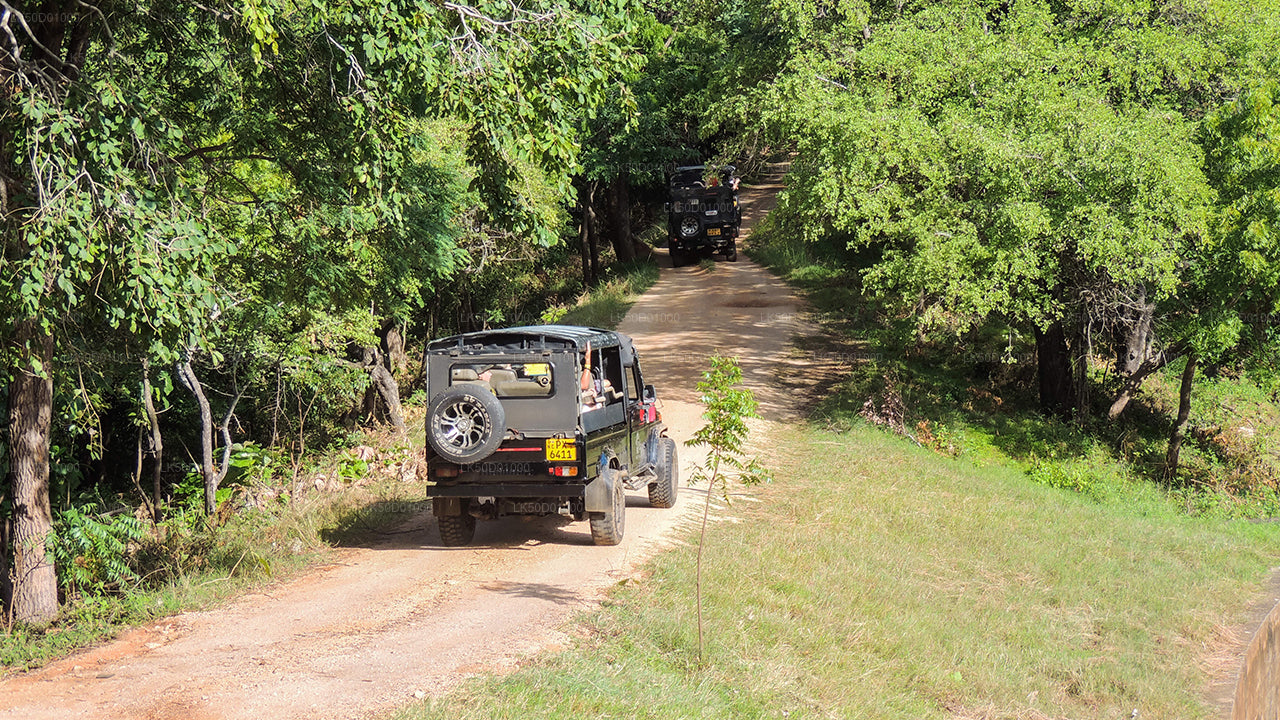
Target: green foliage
[
  {"x": 1243, "y": 141},
  {"x": 301, "y": 154},
  {"x": 725, "y": 433},
  {"x": 252, "y": 465},
  {"x": 351, "y": 469},
  {"x": 91, "y": 549},
  {"x": 991, "y": 169},
  {"x": 1058, "y": 475},
  {"x": 987, "y": 184}
]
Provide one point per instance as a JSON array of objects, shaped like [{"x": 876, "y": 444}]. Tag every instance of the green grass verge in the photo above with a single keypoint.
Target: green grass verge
[
  {"x": 881, "y": 580},
  {"x": 606, "y": 304}
]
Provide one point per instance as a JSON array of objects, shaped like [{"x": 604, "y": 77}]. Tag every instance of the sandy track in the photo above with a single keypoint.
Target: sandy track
[{"x": 376, "y": 626}]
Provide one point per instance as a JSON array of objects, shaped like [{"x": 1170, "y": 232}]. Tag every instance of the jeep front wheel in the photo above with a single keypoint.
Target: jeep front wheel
[
  {"x": 465, "y": 423},
  {"x": 607, "y": 527}
]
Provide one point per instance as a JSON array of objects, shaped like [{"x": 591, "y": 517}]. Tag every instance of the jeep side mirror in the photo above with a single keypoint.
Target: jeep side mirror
[{"x": 650, "y": 395}]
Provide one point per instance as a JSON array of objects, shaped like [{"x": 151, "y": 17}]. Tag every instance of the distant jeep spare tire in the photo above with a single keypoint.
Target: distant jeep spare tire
[
  {"x": 465, "y": 423},
  {"x": 689, "y": 226}
]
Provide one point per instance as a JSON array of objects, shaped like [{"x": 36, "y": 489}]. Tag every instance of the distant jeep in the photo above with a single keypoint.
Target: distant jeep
[
  {"x": 702, "y": 213},
  {"x": 543, "y": 420}
]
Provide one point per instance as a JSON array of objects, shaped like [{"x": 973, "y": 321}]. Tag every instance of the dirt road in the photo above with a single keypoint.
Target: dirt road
[{"x": 379, "y": 625}]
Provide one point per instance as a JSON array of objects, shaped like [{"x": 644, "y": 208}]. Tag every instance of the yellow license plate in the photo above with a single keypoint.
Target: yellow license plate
[
  {"x": 713, "y": 231},
  {"x": 560, "y": 450}
]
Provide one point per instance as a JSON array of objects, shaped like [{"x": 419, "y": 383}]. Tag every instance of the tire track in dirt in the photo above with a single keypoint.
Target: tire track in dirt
[{"x": 379, "y": 625}]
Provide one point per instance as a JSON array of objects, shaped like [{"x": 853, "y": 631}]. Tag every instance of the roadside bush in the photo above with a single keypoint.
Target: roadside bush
[{"x": 92, "y": 550}]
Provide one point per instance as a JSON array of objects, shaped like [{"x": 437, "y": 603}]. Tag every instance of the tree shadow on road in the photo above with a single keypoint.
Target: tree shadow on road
[{"x": 538, "y": 591}]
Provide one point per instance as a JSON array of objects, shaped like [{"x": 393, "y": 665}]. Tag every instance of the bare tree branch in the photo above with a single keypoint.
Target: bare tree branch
[
  {"x": 16, "y": 52},
  {"x": 469, "y": 42},
  {"x": 225, "y": 430},
  {"x": 829, "y": 81}
]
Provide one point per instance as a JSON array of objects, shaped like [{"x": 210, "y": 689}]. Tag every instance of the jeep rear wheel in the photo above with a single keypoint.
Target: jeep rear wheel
[
  {"x": 607, "y": 527},
  {"x": 732, "y": 254},
  {"x": 457, "y": 530},
  {"x": 662, "y": 492},
  {"x": 465, "y": 423}
]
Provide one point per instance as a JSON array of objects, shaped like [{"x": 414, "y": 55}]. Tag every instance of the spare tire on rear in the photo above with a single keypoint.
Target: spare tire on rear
[{"x": 465, "y": 423}]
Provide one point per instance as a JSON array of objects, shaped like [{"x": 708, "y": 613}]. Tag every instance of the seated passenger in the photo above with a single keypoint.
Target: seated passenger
[{"x": 597, "y": 394}]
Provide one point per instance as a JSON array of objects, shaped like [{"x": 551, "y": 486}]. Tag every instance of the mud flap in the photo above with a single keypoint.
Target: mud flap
[
  {"x": 653, "y": 445},
  {"x": 599, "y": 493}
]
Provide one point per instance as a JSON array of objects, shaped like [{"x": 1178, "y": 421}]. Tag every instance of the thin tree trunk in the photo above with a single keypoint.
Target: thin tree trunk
[
  {"x": 1184, "y": 415},
  {"x": 620, "y": 207},
  {"x": 702, "y": 540},
  {"x": 275, "y": 410},
  {"x": 137, "y": 476},
  {"x": 593, "y": 232},
  {"x": 35, "y": 583},
  {"x": 6, "y": 580},
  {"x": 584, "y": 245},
  {"x": 1053, "y": 366},
  {"x": 420, "y": 380},
  {"x": 155, "y": 441},
  {"x": 192, "y": 383},
  {"x": 1080, "y": 378}
]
